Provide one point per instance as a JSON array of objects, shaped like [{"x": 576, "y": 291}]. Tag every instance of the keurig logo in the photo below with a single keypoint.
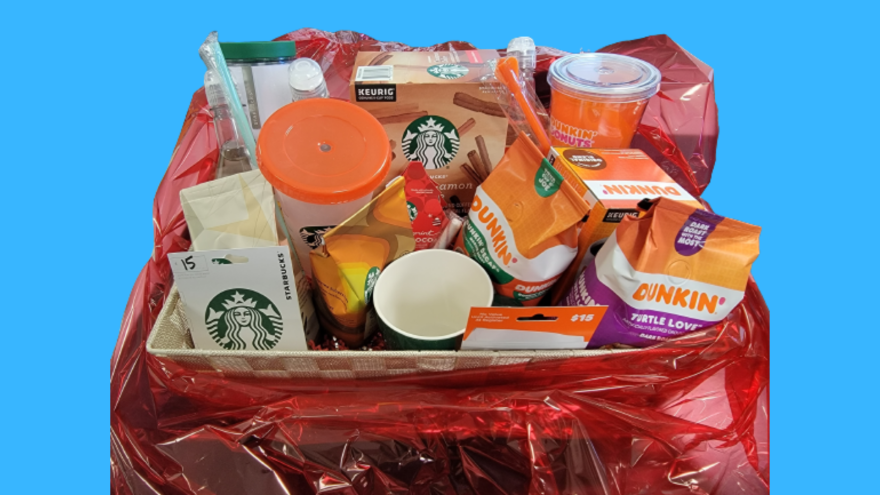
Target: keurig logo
[{"x": 375, "y": 92}]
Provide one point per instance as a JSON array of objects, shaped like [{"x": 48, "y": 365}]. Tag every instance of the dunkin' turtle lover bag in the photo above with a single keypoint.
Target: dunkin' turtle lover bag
[
  {"x": 672, "y": 271},
  {"x": 521, "y": 226}
]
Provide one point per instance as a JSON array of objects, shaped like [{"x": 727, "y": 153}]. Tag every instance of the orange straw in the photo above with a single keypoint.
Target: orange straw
[{"x": 507, "y": 71}]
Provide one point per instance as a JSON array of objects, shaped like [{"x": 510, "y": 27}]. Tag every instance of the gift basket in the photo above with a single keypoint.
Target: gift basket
[{"x": 385, "y": 269}]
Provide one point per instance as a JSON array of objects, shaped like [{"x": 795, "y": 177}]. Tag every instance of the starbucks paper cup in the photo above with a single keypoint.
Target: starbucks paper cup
[{"x": 423, "y": 299}]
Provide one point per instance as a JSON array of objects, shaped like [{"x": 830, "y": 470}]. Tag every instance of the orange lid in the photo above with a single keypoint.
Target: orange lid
[{"x": 323, "y": 151}]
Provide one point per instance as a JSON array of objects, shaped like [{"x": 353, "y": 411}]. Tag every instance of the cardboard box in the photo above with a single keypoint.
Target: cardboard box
[
  {"x": 435, "y": 110},
  {"x": 613, "y": 182}
]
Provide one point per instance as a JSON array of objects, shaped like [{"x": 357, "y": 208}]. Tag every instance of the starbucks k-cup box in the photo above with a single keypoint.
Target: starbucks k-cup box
[
  {"x": 241, "y": 299},
  {"x": 436, "y": 111},
  {"x": 613, "y": 182}
]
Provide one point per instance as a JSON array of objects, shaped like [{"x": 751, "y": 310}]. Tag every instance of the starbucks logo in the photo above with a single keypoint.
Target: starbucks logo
[
  {"x": 314, "y": 236},
  {"x": 431, "y": 140},
  {"x": 370, "y": 283},
  {"x": 413, "y": 211},
  {"x": 241, "y": 319},
  {"x": 448, "y": 71}
]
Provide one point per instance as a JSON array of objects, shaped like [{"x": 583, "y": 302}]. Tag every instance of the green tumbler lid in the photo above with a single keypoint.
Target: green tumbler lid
[{"x": 258, "y": 50}]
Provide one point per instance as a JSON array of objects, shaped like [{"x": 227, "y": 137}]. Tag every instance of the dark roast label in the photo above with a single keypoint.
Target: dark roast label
[{"x": 375, "y": 92}]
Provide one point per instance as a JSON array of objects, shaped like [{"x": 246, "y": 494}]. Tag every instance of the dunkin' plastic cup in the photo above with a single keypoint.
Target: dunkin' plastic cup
[
  {"x": 324, "y": 158},
  {"x": 597, "y": 99}
]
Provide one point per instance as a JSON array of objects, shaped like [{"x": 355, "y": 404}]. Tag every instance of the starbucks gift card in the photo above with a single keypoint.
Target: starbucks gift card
[{"x": 240, "y": 299}]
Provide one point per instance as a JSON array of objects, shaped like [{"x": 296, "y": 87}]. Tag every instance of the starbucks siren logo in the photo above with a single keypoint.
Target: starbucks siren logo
[
  {"x": 241, "y": 319},
  {"x": 370, "y": 283},
  {"x": 431, "y": 140},
  {"x": 448, "y": 71},
  {"x": 314, "y": 236}
]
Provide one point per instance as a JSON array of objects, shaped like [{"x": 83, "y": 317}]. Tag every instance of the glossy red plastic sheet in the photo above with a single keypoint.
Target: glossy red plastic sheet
[{"x": 688, "y": 416}]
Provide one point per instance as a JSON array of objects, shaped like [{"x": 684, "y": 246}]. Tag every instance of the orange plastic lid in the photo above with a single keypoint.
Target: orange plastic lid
[{"x": 323, "y": 151}]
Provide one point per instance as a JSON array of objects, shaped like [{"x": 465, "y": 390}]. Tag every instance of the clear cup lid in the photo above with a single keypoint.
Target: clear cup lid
[{"x": 604, "y": 76}]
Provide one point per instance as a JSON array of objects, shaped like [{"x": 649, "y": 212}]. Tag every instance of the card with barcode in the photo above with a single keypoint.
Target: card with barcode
[{"x": 374, "y": 73}]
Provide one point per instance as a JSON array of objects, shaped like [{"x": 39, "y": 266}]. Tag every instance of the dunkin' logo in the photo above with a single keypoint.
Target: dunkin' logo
[
  {"x": 491, "y": 226},
  {"x": 637, "y": 190},
  {"x": 677, "y": 296},
  {"x": 571, "y": 135},
  {"x": 640, "y": 190}
]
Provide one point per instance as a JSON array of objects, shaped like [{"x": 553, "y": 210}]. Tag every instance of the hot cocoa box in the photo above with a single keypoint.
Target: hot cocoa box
[{"x": 436, "y": 110}]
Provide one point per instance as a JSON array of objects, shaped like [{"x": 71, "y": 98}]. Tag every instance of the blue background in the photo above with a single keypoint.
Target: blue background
[{"x": 95, "y": 95}]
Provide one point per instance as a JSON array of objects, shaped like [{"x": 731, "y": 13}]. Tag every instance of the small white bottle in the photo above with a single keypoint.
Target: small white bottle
[
  {"x": 523, "y": 49},
  {"x": 307, "y": 80}
]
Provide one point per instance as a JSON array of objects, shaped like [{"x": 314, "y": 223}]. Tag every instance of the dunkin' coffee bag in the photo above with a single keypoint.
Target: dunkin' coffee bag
[
  {"x": 672, "y": 271},
  {"x": 521, "y": 226}
]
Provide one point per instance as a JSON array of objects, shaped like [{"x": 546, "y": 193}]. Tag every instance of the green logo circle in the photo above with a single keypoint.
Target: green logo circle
[
  {"x": 241, "y": 319},
  {"x": 370, "y": 283},
  {"x": 431, "y": 140},
  {"x": 448, "y": 71},
  {"x": 548, "y": 180},
  {"x": 413, "y": 211}
]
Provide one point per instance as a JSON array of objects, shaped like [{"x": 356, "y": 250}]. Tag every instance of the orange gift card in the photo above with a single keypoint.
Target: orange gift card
[{"x": 531, "y": 328}]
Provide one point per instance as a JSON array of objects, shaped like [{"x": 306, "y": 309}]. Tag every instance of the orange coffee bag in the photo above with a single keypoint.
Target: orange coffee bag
[
  {"x": 674, "y": 270},
  {"x": 348, "y": 262},
  {"x": 521, "y": 225}
]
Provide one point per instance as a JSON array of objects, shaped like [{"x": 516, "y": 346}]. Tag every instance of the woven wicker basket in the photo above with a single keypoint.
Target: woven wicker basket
[{"x": 170, "y": 339}]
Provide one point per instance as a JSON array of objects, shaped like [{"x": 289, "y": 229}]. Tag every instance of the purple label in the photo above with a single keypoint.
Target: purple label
[
  {"x": 692, "y": 236},
  {"x": 622, "y": 323}
]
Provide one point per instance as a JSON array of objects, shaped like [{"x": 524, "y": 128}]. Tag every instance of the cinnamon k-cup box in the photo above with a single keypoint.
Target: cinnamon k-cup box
[
  {"x": 613, "y": 182},
  {"x": 436, "y": 111}
]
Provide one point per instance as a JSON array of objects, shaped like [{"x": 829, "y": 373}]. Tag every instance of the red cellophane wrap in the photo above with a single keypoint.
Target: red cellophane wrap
[
  {"x": 688, "y": 416},
  {"x": 680, "y": 127}
]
